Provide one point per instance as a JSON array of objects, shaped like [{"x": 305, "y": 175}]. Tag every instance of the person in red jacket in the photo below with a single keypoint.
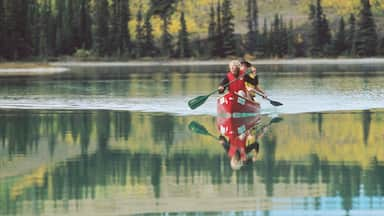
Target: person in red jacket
[{"x": 235, "y": 79}]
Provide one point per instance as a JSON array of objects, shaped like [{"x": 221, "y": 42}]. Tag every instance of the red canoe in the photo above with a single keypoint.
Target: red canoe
[{"x": 235, "y": 106}]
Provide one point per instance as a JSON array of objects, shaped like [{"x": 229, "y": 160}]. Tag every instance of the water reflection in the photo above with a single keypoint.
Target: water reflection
[{"x": 143, "y": 163}]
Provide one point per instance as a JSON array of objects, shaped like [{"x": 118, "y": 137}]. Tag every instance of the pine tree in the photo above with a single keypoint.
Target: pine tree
[
  {"x": 101, "y": 27},
  {"x": 229, "y": 45},
  {"x": 351, "y": 36},
  {"x": 211, "y": 32},
  {"x": 219, "y": 32},
  {"x": 69, "y": 28},
  {"x": 85, "y": 28},
  {"x": 44, "y": 31},
  {"x": 59, "y": 44},
  {"x": 366, "y": 36},
  {"x": 183, "y": 49},
  {"x": 114, "y": 27},
  {"x": 381, "y": 47},
  {"x": 140, "y": 37},
  {"x": 314, "y": 31},
  {"x": 149, "y": 45},
  {"x": 33, "y": 27},
  {"x": 125, "y": 45},
  {"x": 2, "y": 29},
  {"x": 340, "y": 41},
  {"x": 291, "y": 39},
  {"x": 252, "y": 21},
  {"x": 265, "y": 40}
]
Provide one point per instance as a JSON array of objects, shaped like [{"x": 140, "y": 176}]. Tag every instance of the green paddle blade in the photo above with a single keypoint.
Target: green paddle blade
[
  {"x": 276, "y": 120},
  {"x": 197, "y": 101},
  {"x": 198, "y": 128}
]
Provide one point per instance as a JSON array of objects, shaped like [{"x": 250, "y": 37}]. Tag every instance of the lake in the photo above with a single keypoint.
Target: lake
[{"x": 121, "y": 140}]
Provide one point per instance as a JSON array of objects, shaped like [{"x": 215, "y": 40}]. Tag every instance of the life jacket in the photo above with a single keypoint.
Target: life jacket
[{"x": 238, "y": 84}]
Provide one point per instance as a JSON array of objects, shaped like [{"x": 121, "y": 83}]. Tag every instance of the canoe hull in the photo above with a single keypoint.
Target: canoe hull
[{"x": 234, "y": 105}]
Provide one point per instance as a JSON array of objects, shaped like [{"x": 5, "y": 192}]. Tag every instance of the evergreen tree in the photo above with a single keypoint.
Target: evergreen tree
[
  {"x": 59, "y": 44},
  {"x": 2, "y": 15},
  {"x": 314, "y": 31},
  {"x": 325, "y": 35},
  {"x": 381, "y": 47},
  {"x": 85, "y": 28},
  {"x": 164, "y": 8},
  {"x": 33, "y": 27},
  {"x": 101, "y": 27},
  {"x": 69, "y": 28},
  {"x": 320, "y": 32},
  {"x": 351, "y": 36},
  {"x": 275, "y": 36},
  {"x": 265, "y": 40},
  {"x": 291, "y": 39},
  {"x": 229, "y": 45},
  {"x": 366, "y": 36},
  {"x": 16, "y": 43},
  {"x": 283, "y": 45},
  {"x": 252, "y": 21},
  {"x": 2, "y": 30},
  {"x": 114, "y": 27},
  {"x": 183, "y": 49},
  {"x": 125, "y": 40},
  {"x": 211, "y": 32},
  {"x": 219, "y": 32},
  {"x": 44, "y": 46},
  {"x": 140, "y": 37},
  {"x": 149, "y": 45},
  {"x": 340, "y": 41}
]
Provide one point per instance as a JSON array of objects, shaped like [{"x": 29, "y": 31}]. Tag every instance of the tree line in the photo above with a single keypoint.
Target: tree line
[{"x": 52, "y": 28}]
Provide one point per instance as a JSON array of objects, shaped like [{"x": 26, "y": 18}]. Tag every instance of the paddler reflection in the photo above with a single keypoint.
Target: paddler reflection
[{"x": 240, "y": 139}]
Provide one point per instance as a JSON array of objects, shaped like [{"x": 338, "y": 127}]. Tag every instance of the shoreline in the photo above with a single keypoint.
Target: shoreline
[
  {"x": 48, "y": 68},
  {"x": 172, "y": 62}
]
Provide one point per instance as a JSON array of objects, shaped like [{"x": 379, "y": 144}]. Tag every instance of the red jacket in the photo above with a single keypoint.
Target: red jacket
[{"x": 237, "y": 85}]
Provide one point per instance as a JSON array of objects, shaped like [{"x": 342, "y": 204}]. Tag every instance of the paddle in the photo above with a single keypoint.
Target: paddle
[
  {"x": 274, "y": 103},
  {"x": 200, "y": 129},
  {"x": 200, "y": 100}
]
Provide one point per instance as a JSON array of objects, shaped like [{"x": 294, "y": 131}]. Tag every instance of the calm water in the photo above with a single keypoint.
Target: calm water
[{"x": 119, "y": 141}]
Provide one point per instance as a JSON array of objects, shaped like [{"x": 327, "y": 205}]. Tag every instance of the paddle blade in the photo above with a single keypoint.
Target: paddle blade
[
  {"x": 276, "y": 103},
  {"x": 197, "y": 101},
  {"x": 276, "y": 120},
  {"x": 198, "y": 128}
]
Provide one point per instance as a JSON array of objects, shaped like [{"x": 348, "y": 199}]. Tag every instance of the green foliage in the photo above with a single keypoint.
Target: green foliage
[
  {"x": 366, "y": 36},
  {"x": 340, "y": 42},
  {"x": 253, "y": 26},
  {"x": 228, "y": 29},
  {"x": 183, "y": 41},
  {"x": 101, "y": 42}
]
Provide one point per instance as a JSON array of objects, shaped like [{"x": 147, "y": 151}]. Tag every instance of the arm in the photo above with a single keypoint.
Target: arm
[{"x": 223, "y": 83}]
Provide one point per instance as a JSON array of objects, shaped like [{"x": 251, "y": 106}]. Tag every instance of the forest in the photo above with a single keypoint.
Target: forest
[{"x": 202, "y": 29}]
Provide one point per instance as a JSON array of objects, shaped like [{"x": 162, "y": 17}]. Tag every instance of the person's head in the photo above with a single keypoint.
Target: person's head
[
  {"x": 245, "y": 64},
  {"x": 234, "y": 67}
]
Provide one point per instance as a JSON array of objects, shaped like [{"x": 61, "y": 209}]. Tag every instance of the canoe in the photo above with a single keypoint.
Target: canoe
[
  {"x": 236, "y": 126},
  {"x": 235, "y": 106}
]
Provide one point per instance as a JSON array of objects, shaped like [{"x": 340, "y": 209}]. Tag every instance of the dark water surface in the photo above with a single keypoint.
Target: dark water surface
[{"x": 119, "y": 141}]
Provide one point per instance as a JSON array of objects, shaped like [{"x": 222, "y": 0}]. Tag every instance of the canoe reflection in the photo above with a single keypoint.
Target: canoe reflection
[{"x": 239, "y": 138}]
